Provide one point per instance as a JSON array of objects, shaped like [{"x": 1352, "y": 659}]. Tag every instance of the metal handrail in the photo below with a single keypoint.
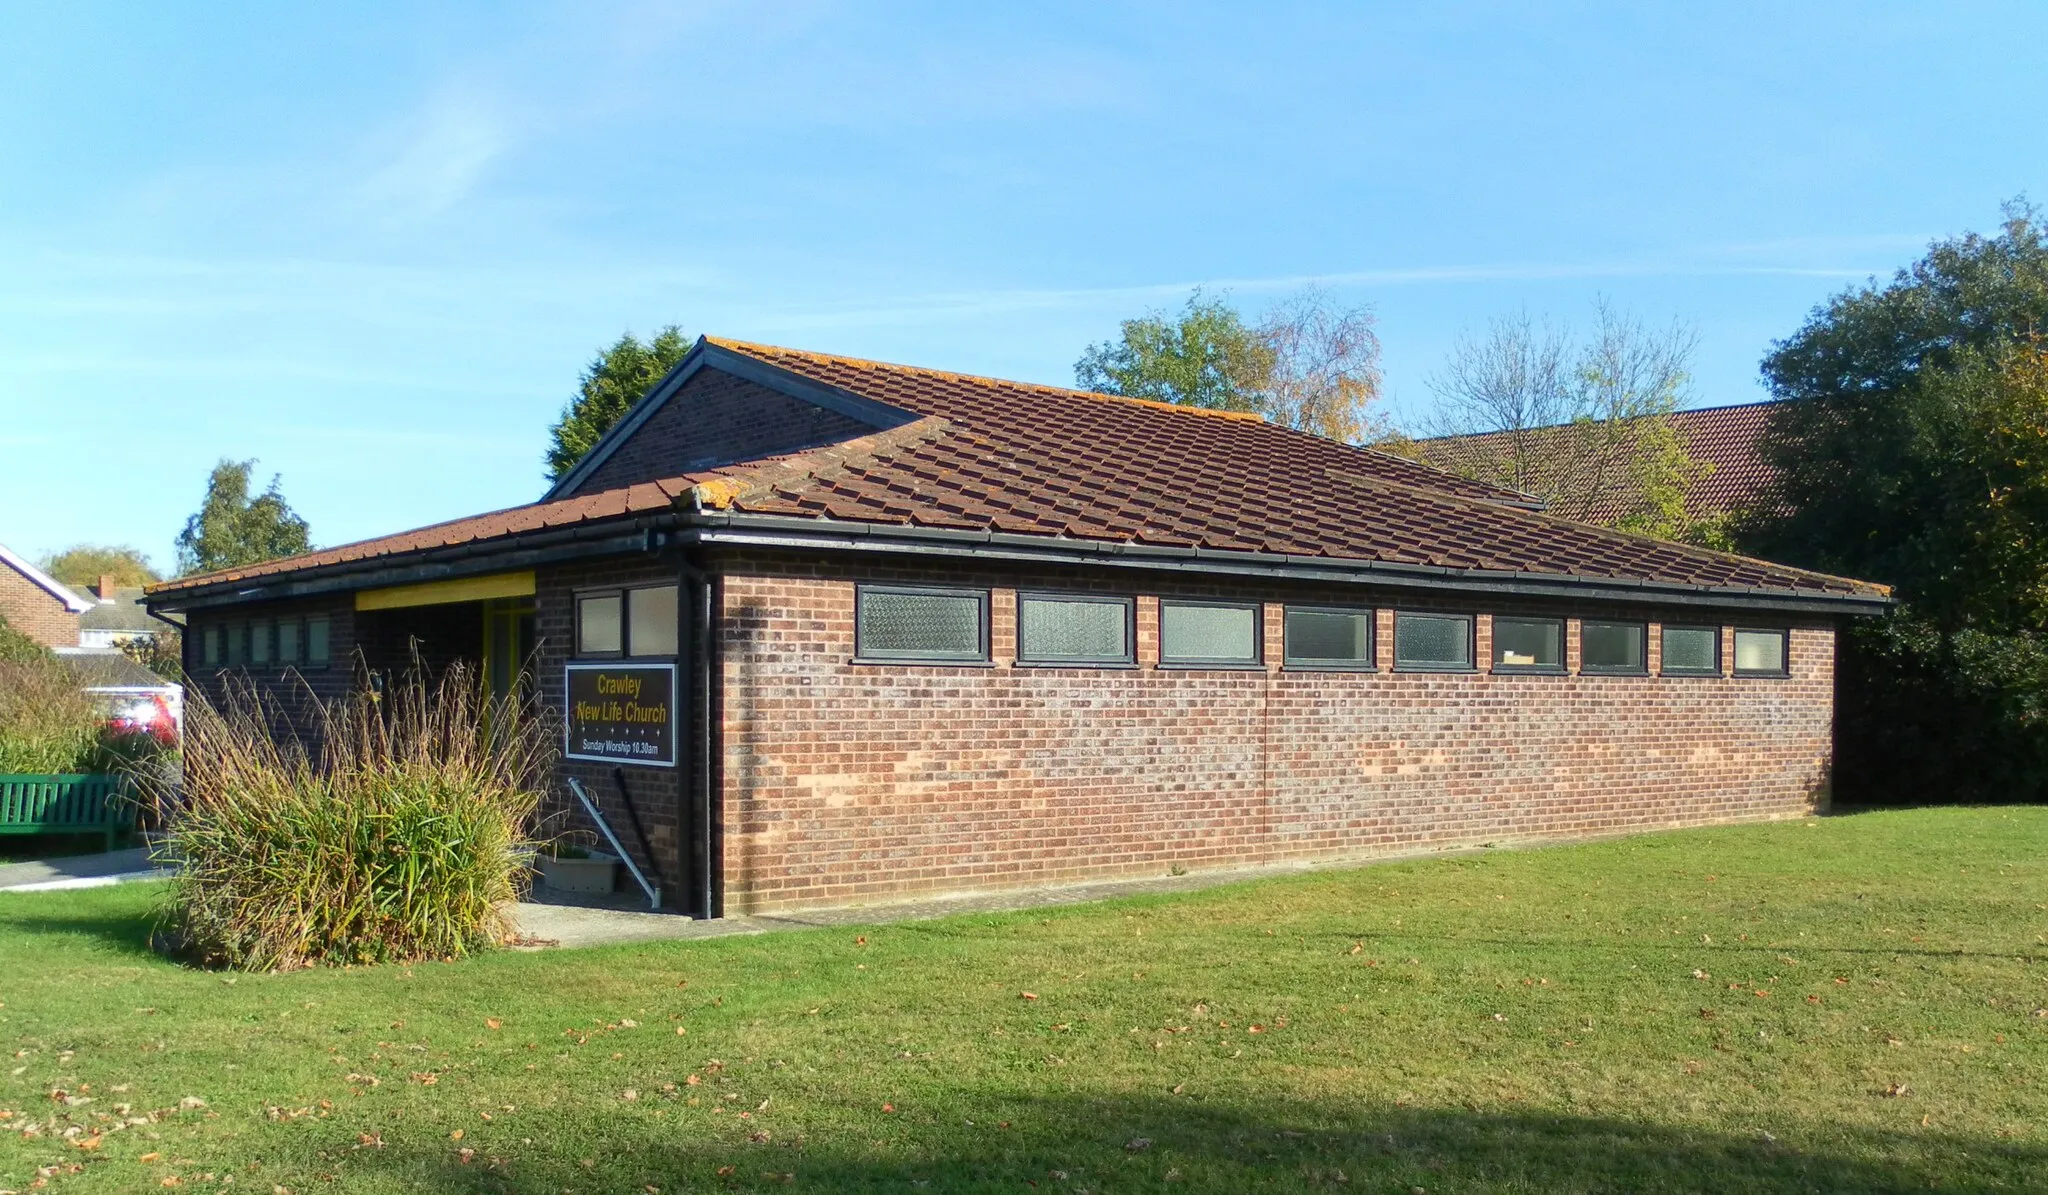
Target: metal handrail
[{"x": 590, "y": 807}]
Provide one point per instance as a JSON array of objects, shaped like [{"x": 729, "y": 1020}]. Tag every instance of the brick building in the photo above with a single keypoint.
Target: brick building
[
  {"x": 37, "y": 604},
  {"x": 926, "y": 632}
]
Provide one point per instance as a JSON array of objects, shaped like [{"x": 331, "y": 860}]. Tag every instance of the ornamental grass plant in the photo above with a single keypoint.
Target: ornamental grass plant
[{"x": 403, "y": 837}]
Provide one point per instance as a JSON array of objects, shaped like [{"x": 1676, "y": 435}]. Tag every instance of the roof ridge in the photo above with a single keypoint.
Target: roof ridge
[
  {"x": 754, "y": 347},
  {"x": 1546, "y": 427}
]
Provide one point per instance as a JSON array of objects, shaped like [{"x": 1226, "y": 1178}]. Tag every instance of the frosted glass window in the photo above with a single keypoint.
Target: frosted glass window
[
  {"x": 1329, "y": 638},
  {"x": 651, "y": 619},
  {"x": 1205, "y": 634},
  {"x": 1760, "y": 652},
  {"x": 238, "y": 644},
  {"x": 1692, "y": 651},
  {"x": 212, "y": 647},
  {"x": 259, "y": 643},
  {"x": 1536, "y": 644},
  {"x": 316, "y": 642},
  {"x": 599, "y": 626},
  {"x": 921, "y": 624},
  {"x": 288, "y": 642},
  {"x": 1432, "y": 642},
  {"x": 1611, "y": 646},
  {"x": 1081, "y": 630}
]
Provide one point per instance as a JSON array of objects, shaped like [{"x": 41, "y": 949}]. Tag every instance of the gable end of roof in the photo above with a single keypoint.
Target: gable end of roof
[{"x": 44, "y": 581}]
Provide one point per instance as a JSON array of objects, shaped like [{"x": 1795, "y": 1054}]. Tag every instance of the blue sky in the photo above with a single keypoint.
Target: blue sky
[{"x": 374, "y": 244}]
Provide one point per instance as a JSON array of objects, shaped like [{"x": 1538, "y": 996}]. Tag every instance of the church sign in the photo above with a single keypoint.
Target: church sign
[{"x": 622, "y": 713}]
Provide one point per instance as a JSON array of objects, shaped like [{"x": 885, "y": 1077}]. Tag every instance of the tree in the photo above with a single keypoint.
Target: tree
[
  {"x": 84, "y": 564},
  {"x": 1580, "y": 425},
  {"x": 231, "y": 529},
  {"x": 616, "y": 379},
  {"x": 1916, "y": 453},
  {"x": 1310, "y": 365}
]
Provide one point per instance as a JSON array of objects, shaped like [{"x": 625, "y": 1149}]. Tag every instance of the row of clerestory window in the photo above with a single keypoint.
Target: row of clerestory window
[{"x": 934, "y": 625}]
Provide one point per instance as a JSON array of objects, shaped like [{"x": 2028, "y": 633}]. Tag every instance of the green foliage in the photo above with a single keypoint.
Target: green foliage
[
  {"x": 615, "y": 380},
  {"x": 162, "y": 653},
  {"x": 15, "y": 646},
  {"x": 1208, "y": 357},
  {"x": 82, "y": 565},
  {"x": 1583, "y": 1018},
  {"x": 1917, "y": 455},
  {"x": 232, "y": 529},
  {"x": 403, "y": 840},
  {"x": 49, "y": 725}
]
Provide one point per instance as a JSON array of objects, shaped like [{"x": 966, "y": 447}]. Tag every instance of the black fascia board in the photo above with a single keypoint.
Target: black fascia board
[
  {"x": 434, "y": 564},
  {"x": 715, "y": 528}
]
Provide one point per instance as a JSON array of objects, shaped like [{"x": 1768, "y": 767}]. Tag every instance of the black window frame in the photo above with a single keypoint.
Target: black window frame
[
  {"x": 1130, "y": 604},
  {"x": 1471, "y": 622},
  {"x": 1563, "y": 646},
  {"x": 1642, "y": 629},
  {"x": 1257, "y": 662},
  {"x": 861, "y": 654},
  {"x": 623, "y": 593},
  {"x": 1371, "y": 662},
  {"x": 1784, "y": 635},
  {"x": 1665, "y": 669}
]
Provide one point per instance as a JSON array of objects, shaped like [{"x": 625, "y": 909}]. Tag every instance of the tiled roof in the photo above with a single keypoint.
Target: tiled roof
[
  {"x": 988, "y": 455},
  {"x": 1722, "y": 438}
]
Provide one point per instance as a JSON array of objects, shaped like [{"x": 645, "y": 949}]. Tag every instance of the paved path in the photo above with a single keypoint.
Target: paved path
[
  {"x": 569, "y": 925},
  {"x": 77, "y": 871}
]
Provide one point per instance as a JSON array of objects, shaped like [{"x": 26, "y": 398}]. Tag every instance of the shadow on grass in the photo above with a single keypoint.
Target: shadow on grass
[
  {"x": 1080, "y": 1144},
  {"x": 126, "y": 933}
]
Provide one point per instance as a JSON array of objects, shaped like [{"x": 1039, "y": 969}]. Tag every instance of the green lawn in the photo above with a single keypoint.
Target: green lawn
[{"x": 1850, "y": 1004}]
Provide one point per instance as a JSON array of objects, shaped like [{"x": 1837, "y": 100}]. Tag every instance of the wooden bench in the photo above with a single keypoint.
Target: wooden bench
[{"x": 76, "y": 804}]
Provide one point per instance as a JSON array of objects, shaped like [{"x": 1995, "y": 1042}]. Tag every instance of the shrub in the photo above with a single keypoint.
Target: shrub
[
  {"x": 47, "y": 723},
  {"x": 403, "y": 838}
]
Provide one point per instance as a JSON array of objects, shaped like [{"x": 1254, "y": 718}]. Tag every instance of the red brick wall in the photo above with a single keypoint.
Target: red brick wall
[
  {"x": 716, "y": 419},
  {"x": 30, "y": 609},
  {"x": 845, "y": 782}
]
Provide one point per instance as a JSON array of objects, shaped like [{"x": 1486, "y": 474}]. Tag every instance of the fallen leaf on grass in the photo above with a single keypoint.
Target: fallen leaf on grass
[
  {"x": 151, "y": 1156},
  {"x": 1138, "y": 1144},
  {"x": 1027, "y": 995},
  {"x": 493, "y": 1023},
  {"x": 455, "y": 1135},
  {"x": 465, "y": 1154},
  {"x": 1896, "y": 1091}
]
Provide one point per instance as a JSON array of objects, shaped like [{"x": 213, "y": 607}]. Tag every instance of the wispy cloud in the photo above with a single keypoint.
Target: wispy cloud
[{"x": 436, "y": 157}]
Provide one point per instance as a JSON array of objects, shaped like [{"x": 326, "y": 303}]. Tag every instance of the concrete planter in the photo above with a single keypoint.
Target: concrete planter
[{"x": 598, "y": 873}]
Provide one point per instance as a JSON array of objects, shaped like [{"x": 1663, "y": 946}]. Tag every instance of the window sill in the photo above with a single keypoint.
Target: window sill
[
  {"x": 1303, "y": 667},
  {"x": 1088, "y": 665},
  {"x": 1680, "y": 674},
  {"x": 1185, "y": 666},
  {"x": 890, "y": 663},
  {"x": 1437, "y": 670},
  {"x": 1748, "y": 675},
  {"x": 1526, "y": 670},
  {"x": 1614, "y": 672}
]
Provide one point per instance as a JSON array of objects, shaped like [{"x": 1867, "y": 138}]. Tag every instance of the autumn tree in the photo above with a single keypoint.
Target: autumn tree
[
  {"x": 615, "y": 379},
  {"x": 1310, "y": 364},
  {"x": 82, "y": 565},
  {"x": 1578, "y": 423}
]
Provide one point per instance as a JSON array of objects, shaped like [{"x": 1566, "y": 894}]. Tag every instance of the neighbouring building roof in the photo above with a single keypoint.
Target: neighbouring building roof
[
  {"x": 110, "y": 670},
  {"x": 972, "y": 456},
  {"x": 1722, "y": 438},
  {"x": 44, "y": 581},
  {"x": 119, "y": 609}
]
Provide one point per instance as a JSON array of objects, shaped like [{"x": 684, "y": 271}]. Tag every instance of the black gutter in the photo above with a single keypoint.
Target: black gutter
[
  {"x": 725, "y": 529},
  {"x": 647, "y": 533}
]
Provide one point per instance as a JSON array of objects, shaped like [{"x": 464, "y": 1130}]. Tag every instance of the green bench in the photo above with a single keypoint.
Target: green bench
[{"x": 76, "y": 804}]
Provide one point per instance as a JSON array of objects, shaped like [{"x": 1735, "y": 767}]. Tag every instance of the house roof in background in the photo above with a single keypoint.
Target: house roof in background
[
  {"x": 122, "y": 610},
  {"x": 982, "y": 455},
  {"x": 44, "y": 581},
  {"x": 110, "y": 670},
  {"x": 1723, "y": 438}
]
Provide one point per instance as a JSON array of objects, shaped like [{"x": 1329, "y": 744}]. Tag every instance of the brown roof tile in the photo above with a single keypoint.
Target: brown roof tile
[{"x": 1039, "y": 460}]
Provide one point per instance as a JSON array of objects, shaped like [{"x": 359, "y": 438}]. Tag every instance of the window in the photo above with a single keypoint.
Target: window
[
  {"x": 937, "y": 625},
  {"x": 238, "y": 642},
  {"x": 1208, "y": 633},
  {"x": 1433, "y": 642},
  {"x": 1528, "y": 644},
  {"x": 1692, "y": 651},
  {"x": 259, "y": 643},
  {"x": 1760, "y": 653},
  {"x": 1611, "y": 647},
  {"x": 316, "y": 642},
  {"x": 651, "y": 620},
  {"x": 1323, "y": 638},
  {"x": 600, "y": 631},
  {"x": 1060, "y": 629},
  {"x": 211, "y": 642},
  {"x": 288, "y": 642}
]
